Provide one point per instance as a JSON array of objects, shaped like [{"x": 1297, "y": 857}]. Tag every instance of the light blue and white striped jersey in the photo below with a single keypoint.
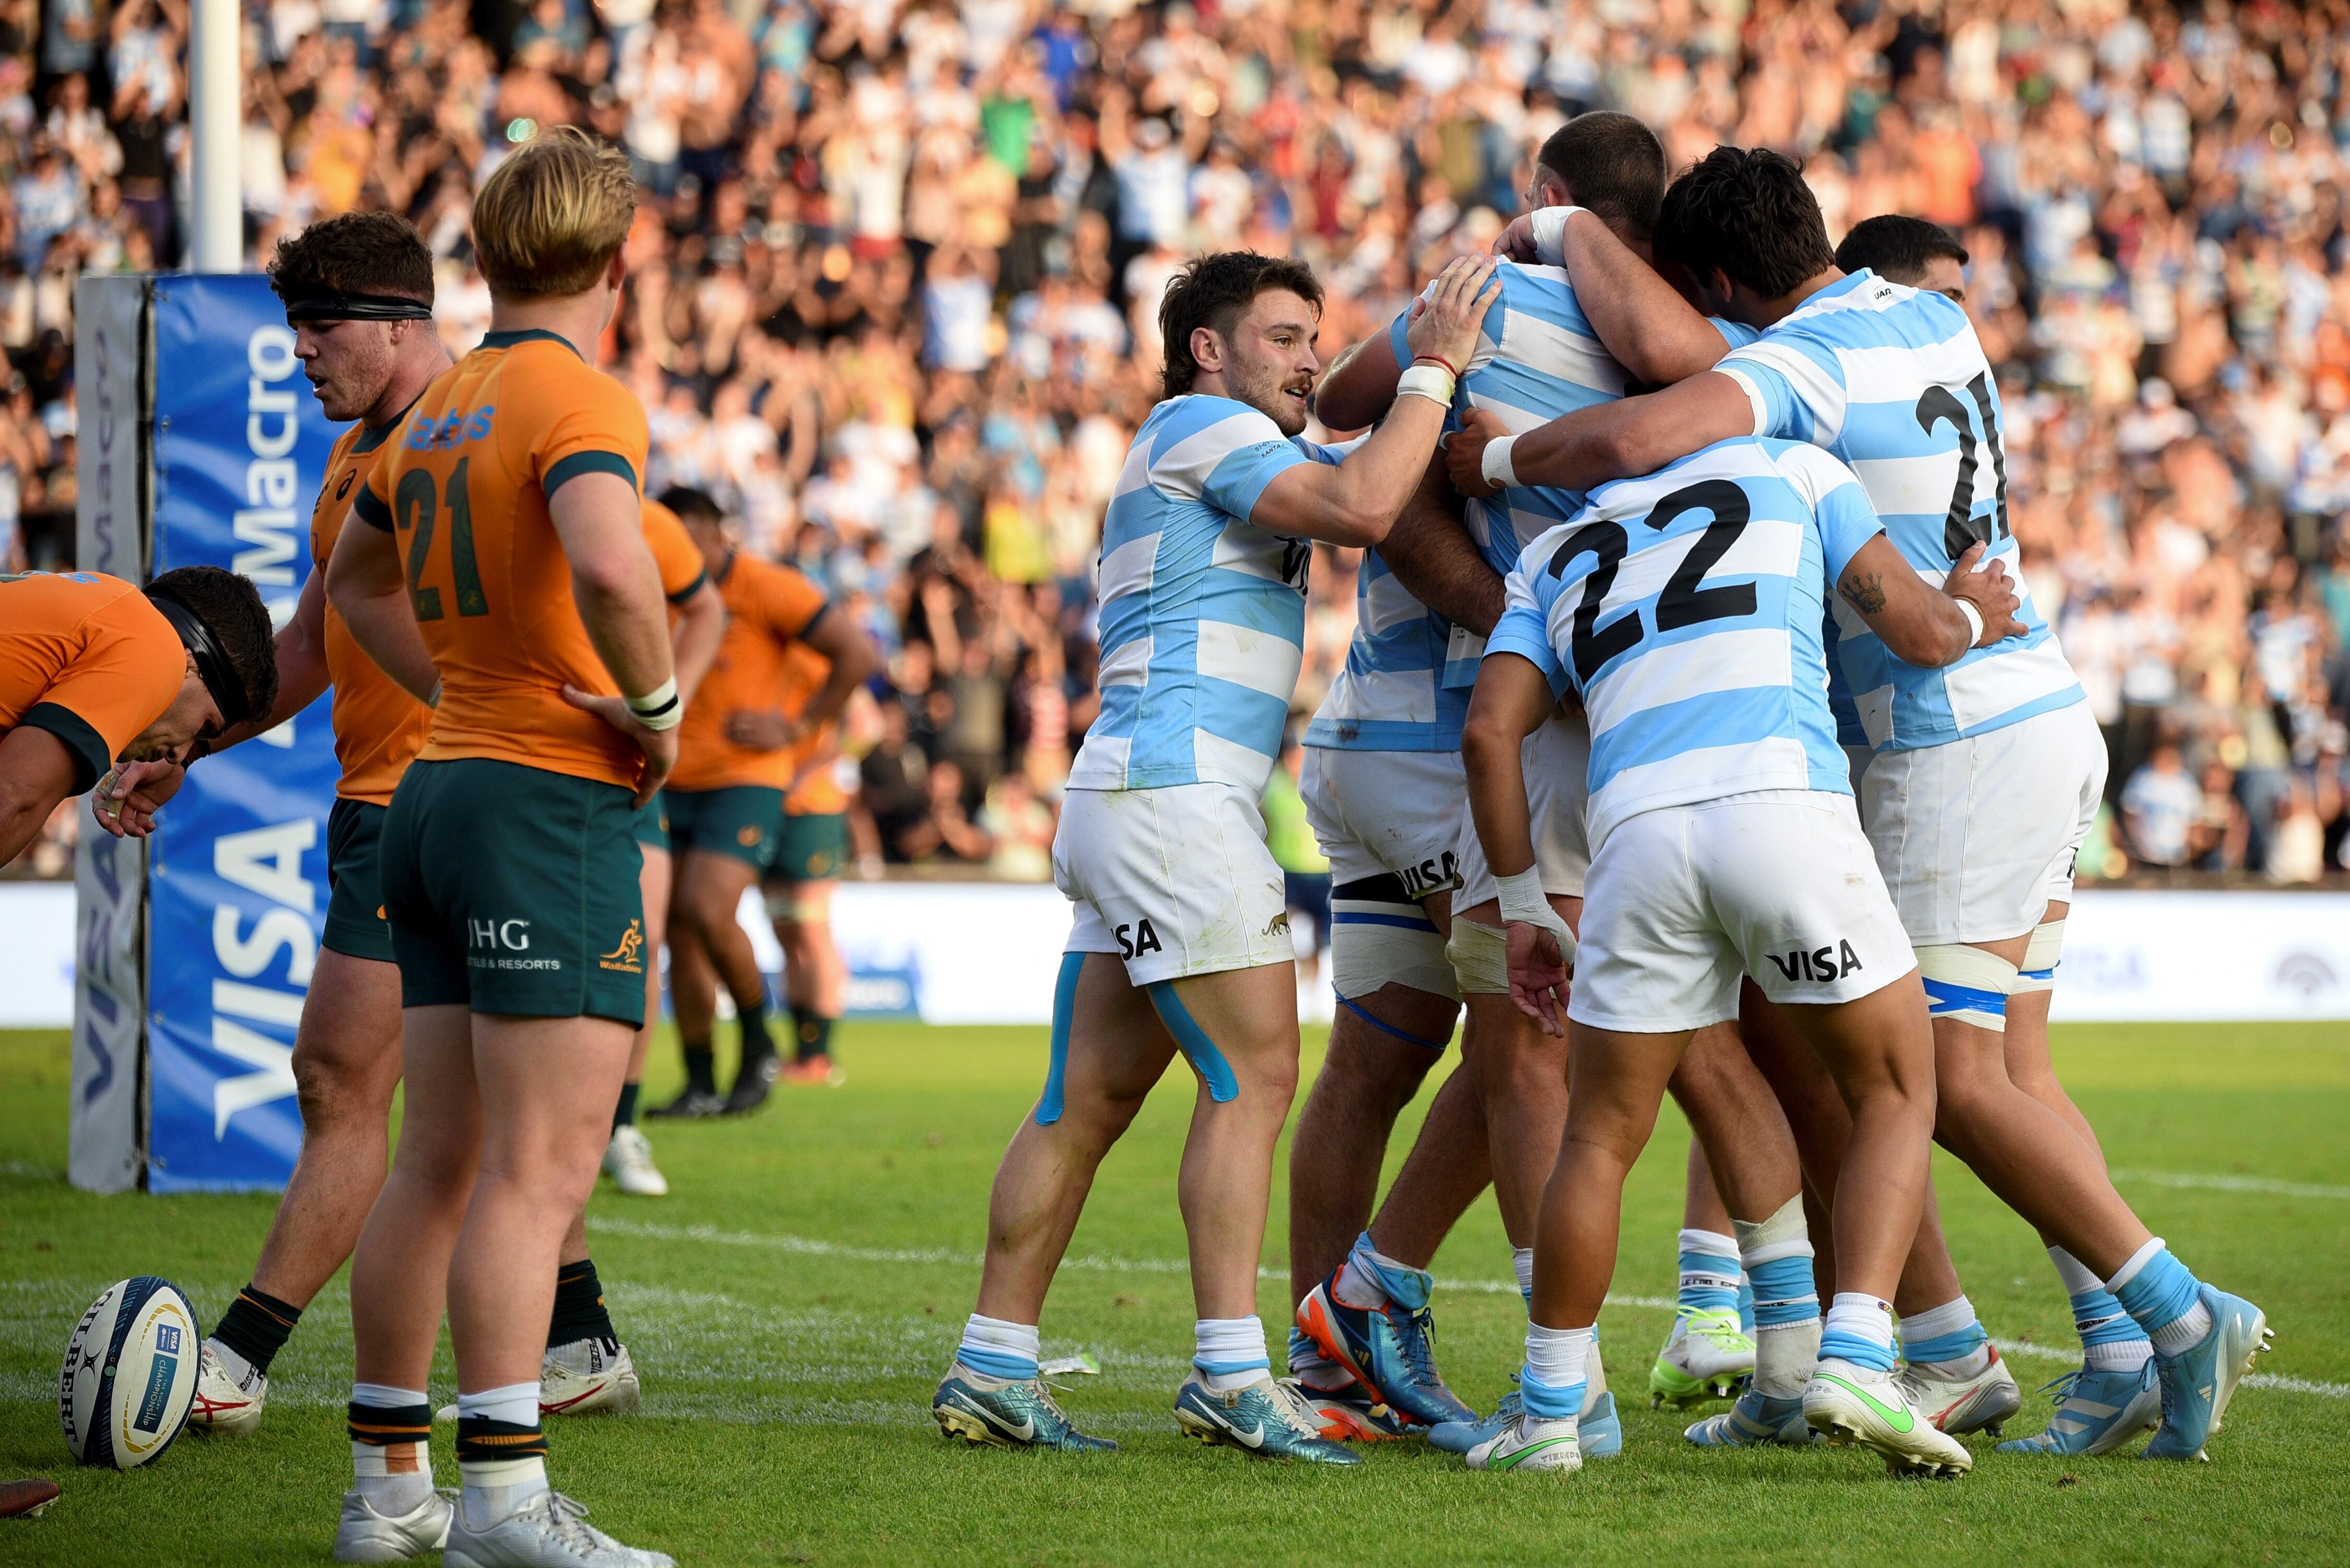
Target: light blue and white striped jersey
[
  {"x": 1891, "y": 379},
  {"x": 1685, "y": 608},
  {"x": 1203, "y": 613}
]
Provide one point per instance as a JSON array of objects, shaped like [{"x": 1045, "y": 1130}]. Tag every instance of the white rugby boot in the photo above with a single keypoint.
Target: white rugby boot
[
  {"x": 628, "y": 1161},
  {"x": 225, "y": 1403},
  {"x": 1957, "y": 1406},
  {"x": 366, "y": 1536},
  {"x": 1851, "y": 1404},
  {"x": 587, "y": 1375},
  {"x": 550, "y": 1530},
  {"x": 1531, "y": 1443}
]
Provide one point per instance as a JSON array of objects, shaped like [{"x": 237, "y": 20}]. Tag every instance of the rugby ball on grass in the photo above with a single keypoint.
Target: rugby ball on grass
[{"x": 130, "y": 1374}]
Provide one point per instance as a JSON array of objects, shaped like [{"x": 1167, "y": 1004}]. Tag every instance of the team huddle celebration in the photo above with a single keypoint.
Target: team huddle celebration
[{"x": 1698, "y": 737}]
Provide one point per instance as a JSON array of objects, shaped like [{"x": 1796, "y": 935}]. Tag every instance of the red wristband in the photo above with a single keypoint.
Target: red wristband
[{"x": 1439, "y": 359}]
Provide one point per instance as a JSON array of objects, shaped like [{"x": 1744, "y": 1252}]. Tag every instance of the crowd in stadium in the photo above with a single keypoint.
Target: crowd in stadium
[{"x": 895, "y": 271}]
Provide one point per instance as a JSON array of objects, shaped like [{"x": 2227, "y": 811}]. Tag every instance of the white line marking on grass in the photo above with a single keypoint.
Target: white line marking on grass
[{"x": 2233, "y": 1184}]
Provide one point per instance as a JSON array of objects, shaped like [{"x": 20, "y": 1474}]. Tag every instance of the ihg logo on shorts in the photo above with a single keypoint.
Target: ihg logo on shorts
[{"x": 503, "y": 944}]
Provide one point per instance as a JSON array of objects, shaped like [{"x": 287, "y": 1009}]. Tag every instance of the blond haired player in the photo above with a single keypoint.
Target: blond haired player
[{"x": 504, "y": 566}]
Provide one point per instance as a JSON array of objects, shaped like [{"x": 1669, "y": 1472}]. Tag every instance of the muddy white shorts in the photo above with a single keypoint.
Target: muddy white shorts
[
  {"x": 1557, "y": 762},
  {"x": 1176, "y": 881},
  {"x": 1389, "y": 823},
  {"x": 1685, "y": 900},
  {"x": 1975, "y": 837}
]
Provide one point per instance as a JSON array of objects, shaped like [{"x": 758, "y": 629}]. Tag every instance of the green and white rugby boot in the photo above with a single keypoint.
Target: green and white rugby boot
[
  {"x": 1271, "y": 1420},
  {"x": 1703, "y": 1359},
  {"x": 1531, "y": 1443},
  {"x": 1850, "y": 1403},
  {"x": 1007, "y": 1414}
]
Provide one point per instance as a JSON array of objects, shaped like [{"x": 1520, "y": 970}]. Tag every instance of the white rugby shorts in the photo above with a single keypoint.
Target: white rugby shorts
[
  {"x": 1176, "y": 880},
  {"x": 1389, "y": 823},
  {"x": 1685, "y": 900},
  {"x": 1976, "y": 837},
  {"x": 1557, "y": 762}
]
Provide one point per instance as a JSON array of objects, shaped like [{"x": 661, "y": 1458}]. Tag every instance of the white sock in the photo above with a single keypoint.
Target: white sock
[
  {"x": 1558, "y": 1357},
  {"x": 392, "y": 1493},
  {"x": 2078, "y": 1278},
  {"x": 1923, "y": 1327},
  {"x": 238, "y": 1368},
  {"x": 1785, "y": 1356},
  {"x": 1855, "y": 1315},
  {"x": 998, "y": 1347},
  {"x": 1522, "y": 1263},
  {"x": 494, "y": 1488},
  {"x": 1229, "y": 1352}
]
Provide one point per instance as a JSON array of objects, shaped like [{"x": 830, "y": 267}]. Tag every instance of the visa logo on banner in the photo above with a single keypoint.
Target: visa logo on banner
[{"x": 238, "y": 892}]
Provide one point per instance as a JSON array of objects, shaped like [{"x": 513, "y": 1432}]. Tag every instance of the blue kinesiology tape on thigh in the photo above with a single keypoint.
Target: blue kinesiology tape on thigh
[
  {"x": 1194, "y": 1042},
  {"x": 1065, "y": 1005}
]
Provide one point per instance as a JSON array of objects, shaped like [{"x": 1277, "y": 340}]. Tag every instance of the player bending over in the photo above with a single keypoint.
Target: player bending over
[
  {"x": 1986, "y": 777},
  {"x": 1683, "y": 610},
  {"x": 509, "y": 862},
  {"x": 1181, "y": 935}
]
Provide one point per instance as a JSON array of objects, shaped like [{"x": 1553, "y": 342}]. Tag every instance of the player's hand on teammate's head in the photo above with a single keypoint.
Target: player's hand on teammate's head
[
  {"x": 126, "y": 799},
  {"x": 659, "y": 746},
  {"x": 1538, "y": 978},
  {"x": 1445, "y": 321},
  {"x": 1990, "y": 590},
  {"x": 762, "y": 729},
  {"x": 1465, "y": 452}
]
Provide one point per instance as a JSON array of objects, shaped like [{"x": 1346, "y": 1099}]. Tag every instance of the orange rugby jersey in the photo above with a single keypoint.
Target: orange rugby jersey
[
  {"x": 768, "y": 606},
  {"x": 378, "y": 726},
  {"x": 682, "y": 572},
  {"x": 819, "y": 793},
  {"x": 89, "y": 659},
  {"x": 464, "y": 488}
]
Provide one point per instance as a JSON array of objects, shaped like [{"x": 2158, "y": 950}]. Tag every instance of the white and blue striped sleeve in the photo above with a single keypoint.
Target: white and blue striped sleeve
[
  {"x": 1227, "y": 460},
  {"x": 1848, "y": 518},
  {"x": 1795, "y": 385},
  {"x": 1525, "y": 630},
  {"x": 1737, "y": 334}
]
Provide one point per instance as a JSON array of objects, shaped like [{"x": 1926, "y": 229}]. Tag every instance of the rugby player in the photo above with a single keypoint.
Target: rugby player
[
  {"x": 1182, "y": 934},
  {"x": 808, "y": 861},
  {"x": 1987, "y": 775},
  {"x": 509, "y": 862},
  {"x": 1538, "y": 359},
  {"x": 1684, "y": 611},
  {"x": 92, "y": 670},
  {"x": 725, "y": 801}
]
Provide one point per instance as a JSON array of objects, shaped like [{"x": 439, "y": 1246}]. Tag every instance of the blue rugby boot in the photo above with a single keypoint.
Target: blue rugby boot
[
  {"x": 1599, "y": 1433},
  {"x": 1756, "y": 1420},
  {"x": 2096, "y": 1412},
  {"x": 2196, "y": 1383},
  {"x": 1271, "y": 1420},
  {"x": 1007, "y": 1414},
  {"x": 1388, "y": 1349}
]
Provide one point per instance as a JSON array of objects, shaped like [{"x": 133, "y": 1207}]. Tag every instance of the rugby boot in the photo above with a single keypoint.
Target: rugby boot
[
  {"x": 550, "y": 1530},
  {"x": 1389, "y": 1349},
  {"x": 225, "y": 1404},
  {"x": 1980, "y": 1403},
  {"x": 1272, "y": 1420},
  {"x": 2096, "y": 1412},
  {"x": 364, "y": 1536},
  {"x": 1007, "y": 1413},
  {"x": 1703, "y": 1359},
  {"x": 1599, "y": 1431},
  {"x": 691, "y": 1102},
  {"x": 586, "y": 1377},
  {"x": 752, "y": 1084},
  {"x": 1531, "y": 1443},
  {"x": 1756, "y": 1420},
  {"x": 1851, "y": 1404},
  {"x": 2198, "y": 1383},
  {"x": 1354, "y": 1414}
]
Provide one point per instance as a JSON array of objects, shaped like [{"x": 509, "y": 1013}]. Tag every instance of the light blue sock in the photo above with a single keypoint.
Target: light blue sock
[
  {"x": 1400, "y": 1282},
  {"x": 1745, "y": 1304},
  {"x": 999, "y": 1348},
  {"x": 2154, "y": 1288},
  {"x": 1709, "y": 1273},
  {"x": 1548, "y": 1403},
  {"x": 1947, "y": 1333},
  {"x": 1781, "y": 1291},
  {"x": 1859, "y": 1329}
]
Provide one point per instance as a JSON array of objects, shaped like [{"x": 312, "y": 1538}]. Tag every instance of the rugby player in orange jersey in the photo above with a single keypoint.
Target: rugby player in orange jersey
[
  {"x": 358, "y": 291},
  {"x": 92, "y": 670},
  {"x": 503, "y": 563},
  {"x": 815, "y": 848},
  {"x": 726, "y": 800}
]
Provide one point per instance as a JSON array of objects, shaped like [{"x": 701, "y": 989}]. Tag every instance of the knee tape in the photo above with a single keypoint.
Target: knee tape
[
  {"x": 2039, "y": 970},
  {"x": 1391, "y": 944},
  {"x": 1065, "y": 1003},
  {"x": 1194, "y": 1042},
  {"x": 1968, "y": 984},
  {"x": 1481, "y": 959}
]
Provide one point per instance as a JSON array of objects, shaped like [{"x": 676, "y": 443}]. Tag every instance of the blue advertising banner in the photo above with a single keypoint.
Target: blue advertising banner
[{"x": 239, "y": 876}]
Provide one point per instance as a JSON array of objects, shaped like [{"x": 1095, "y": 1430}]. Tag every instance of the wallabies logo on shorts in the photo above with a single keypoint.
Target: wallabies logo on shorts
[
  {"x": 628, "y": 958},
  {"x": 748, "y": 836}
]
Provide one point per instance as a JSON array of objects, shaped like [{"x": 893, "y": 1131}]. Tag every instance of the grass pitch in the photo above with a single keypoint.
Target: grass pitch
[{"x": 795, "y": 1301}]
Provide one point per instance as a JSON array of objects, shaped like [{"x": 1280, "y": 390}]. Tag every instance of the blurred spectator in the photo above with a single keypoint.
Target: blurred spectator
[{"x": 2162, "y": 807}]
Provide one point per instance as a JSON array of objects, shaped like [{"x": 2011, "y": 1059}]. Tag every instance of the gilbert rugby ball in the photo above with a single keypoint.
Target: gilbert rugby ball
[{"x": 130, "y": 1374}]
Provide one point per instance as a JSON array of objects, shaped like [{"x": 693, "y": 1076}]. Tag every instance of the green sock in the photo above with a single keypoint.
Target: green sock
[
  {"x": 814, "y": 1031},
  {"x": 757, "y": 1045},
  {"x": 624, "y": 1115},
  {"x": 700, "y": 1067}
]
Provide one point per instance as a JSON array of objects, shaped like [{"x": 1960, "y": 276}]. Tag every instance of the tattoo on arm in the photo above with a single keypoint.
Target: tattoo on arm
[{"x": 1864, "y": 591}]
